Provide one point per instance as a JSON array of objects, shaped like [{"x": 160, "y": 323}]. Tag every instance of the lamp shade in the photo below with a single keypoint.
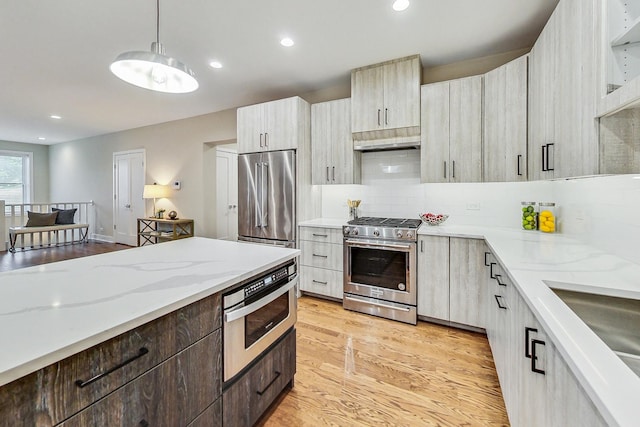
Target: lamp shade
[{"x": 155, "y": 191}]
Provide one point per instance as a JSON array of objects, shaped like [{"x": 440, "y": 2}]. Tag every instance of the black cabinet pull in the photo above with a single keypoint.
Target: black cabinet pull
[
  {"x": 266, "y": 141},
  {"x": 319, "y": 282},
  {"x": 260, "y": 140},
  {"x": 421, "y": 245},
  {"x": 386, "y": 116},
  {"x": 260, "y": 393},
  {"x": 527, "y": 331},
  {"x": 491, "y": 270},
  {"x": 550, "y": 159},
  {"x": 453, "y": 169},
  {"x": 519, "y": 159},
  {"x": 378, "y": 117},
  {"x": 320, "y": 235},
  {"x": 327, "y": 173},
  {"x": 498, "y": 301},
  {"x": 320, "y": 256},
  {"x": 144, "y": 423},
  {"x": 485, "y": 258},
  {"x": 445, "y": 170},
  {"x": 534, "y": 368},
  {"x": 544, "y": 161},
  {"x": 498, "y": 276},
  {"x": 333, "y": 172},
  {"x": 141, "y": 353}
]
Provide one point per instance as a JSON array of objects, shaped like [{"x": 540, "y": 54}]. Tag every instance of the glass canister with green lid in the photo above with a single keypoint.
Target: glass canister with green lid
[
  {"x": 547, "y": 217},
  {"x": 529, "y": 216}
]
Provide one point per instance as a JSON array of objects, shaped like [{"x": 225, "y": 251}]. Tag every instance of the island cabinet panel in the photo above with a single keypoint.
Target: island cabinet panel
[
  {"x": 56, "y": 392},
  {"x": 172, "y": 394},
  {"x": 211, "y": 417},
  {"x": 247, "y": 399}
]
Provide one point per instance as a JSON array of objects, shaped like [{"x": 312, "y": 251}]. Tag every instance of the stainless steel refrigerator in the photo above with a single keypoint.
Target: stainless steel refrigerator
[{"x": 267, "y": 197}]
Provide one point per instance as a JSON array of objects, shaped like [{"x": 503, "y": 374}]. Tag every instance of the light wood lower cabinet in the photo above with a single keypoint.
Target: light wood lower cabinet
[
  {"x": 450, "y": 280},
  {"x": 537, "y": 385},
  {"x": 247, "y": 399},
  {"x": 321, "y": 262}
]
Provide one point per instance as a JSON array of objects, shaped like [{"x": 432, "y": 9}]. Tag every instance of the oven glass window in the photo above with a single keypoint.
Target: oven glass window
[
  {"x": 378, "y": 267},
  {"x": 260, "y": 322}
]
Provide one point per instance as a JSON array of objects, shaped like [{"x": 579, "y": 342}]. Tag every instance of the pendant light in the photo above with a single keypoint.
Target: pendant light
[{"x": 154, "y": 70}]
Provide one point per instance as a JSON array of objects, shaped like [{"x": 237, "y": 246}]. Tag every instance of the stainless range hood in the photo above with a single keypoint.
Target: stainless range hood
[{"x": 392, "y": 139}]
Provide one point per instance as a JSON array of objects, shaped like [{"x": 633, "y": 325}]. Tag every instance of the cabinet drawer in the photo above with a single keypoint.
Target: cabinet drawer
[
  {"x": 323, "y": 235},
  {"x": 53, "y": 393},
  {"x": 171, "y": 394},
  {"x": 247, "y": 399},
  {"x": 322, "y": 255},
  {"x": 321, "y": 281},
  {"x": 211, "y": 417}
]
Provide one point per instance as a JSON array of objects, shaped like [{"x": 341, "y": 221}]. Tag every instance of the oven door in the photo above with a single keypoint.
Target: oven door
[
  {"x": 380, "y": 269},
  {"x": 251, "y": 328}
]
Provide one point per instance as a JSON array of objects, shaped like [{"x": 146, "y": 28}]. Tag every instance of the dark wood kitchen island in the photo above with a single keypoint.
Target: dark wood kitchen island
[{"x": 126, "y": 338}]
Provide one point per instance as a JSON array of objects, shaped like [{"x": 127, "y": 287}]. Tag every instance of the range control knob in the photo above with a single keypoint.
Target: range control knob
[
  {"x": 345, "y": 231},
  {"x": 354, "y": 232},
  {"x": 399, "y": 234},
  {"x": 409, "y": 234},
  {"x": 376, "y": 232}
]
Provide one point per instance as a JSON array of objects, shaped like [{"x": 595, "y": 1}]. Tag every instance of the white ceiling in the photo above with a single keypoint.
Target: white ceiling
[{"x": 56, "y": 54}]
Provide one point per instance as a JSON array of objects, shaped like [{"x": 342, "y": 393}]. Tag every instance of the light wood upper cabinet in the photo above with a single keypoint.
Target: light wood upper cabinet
[
  {"x": 271, "y": 126},
  {"x": 451, "y": 146},
  {"x": 505, "y": 122},
  {"x": 564, "y": 82},
  {"x": 386, "y": 99},
  {"x": 333, "y": 158}
]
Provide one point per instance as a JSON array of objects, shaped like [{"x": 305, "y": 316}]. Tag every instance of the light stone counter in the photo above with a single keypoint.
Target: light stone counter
[
  {"x": 324, "y": 223},
  {"x": 53, "y": 311},
  {"x": 532, "y": 258}
]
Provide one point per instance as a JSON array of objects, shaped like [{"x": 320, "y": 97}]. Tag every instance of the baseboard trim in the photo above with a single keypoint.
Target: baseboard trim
[{"x": 102, "y": 238}]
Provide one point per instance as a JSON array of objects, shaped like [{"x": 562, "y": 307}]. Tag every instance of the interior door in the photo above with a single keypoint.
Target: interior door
[
  {"x": 128, "y": 204},
  {"x": 226, "y": 194}
]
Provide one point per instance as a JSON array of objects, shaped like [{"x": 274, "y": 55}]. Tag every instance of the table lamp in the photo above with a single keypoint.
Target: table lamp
[{"x": 155, "y": 191}]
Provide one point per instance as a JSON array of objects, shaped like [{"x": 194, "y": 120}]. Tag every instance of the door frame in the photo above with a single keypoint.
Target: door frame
[{"x": 114, "y": 183}]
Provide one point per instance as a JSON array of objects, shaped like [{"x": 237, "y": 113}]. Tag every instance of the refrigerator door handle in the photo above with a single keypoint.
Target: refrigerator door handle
[
  {"x": 258, "y": 209},
  {"x": 265, "y": 192}
]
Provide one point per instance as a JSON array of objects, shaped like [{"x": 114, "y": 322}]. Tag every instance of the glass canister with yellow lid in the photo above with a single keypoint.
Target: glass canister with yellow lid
[
  {"x": 529, "y": 215},
  {"x": 547, "y": 217}
]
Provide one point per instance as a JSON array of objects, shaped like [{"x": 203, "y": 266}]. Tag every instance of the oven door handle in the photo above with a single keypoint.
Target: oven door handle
[
  {"x": 357, "y": 244},
  {"x": 248, "y": 309}
]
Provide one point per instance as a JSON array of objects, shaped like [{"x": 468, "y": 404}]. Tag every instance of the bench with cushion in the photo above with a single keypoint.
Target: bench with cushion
[{"x": 57, "y": 226}]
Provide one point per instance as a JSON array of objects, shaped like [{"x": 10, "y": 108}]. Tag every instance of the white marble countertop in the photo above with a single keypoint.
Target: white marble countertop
[
  {"x": 324, "y": 223},
  {"x": 55, "y": 310},
  {"x": 533, "y": 258}
]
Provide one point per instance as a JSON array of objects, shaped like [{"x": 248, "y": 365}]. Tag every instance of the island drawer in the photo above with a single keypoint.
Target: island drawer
[
  {"x": 54, "y": 393},
  {"x": 246, "y": 400},
  {"x": 173, "y": 393}
]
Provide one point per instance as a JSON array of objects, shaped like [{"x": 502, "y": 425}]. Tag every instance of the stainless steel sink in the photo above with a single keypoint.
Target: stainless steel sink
[{"x": 615, "y": 320}]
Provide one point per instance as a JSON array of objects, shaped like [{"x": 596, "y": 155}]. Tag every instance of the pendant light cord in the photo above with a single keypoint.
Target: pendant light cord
[{"x": 157, "y": 21}]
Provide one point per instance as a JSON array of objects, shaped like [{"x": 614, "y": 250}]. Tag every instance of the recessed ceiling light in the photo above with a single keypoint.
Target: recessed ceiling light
[
  {"x": 54, "y": 116},
  {"x": 286, "y": 42},
  {"x": 41, "y": 138},
  {"x": 215, "y": 64},
  {"x": 400, "y": 5}
]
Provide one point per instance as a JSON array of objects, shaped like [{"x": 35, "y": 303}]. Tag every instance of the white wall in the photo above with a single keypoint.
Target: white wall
[
  {"x": 83, "y": 170},
  {"x": 602, "y": 211}
]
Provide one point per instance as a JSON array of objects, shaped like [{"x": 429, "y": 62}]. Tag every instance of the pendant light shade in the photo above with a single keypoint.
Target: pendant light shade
[{"x": 154, "y": 70}]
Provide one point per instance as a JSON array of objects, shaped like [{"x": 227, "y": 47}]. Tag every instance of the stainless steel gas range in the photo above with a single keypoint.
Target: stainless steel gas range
[{"x": 380, "y": 267}]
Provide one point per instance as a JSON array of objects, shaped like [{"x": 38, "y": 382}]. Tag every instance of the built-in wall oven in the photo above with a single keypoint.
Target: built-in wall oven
[
  {"x": 256, "y": 314},
  {"x": 380, "y": 267}
]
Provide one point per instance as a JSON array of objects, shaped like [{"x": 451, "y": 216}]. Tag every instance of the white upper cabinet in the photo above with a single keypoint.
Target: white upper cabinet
[
  {"x": 271, "y": 126},
  {"x": 564, "y": 91},
  {"x": 451, "y": 146},
  {"x": 386, "y": 100},
  {"x": 333, "y": 158},
  {"x": 505, "y": 122}
]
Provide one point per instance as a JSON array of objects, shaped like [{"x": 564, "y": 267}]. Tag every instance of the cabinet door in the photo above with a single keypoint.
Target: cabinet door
[
  {"x": 467, "y": 293},
  {"x": 367, "y": 95},
  {"x": 505, "y": 122},
  {"x": 402, "y": 94},
  {"x": 250, "y": 129},
  {"x": 321, "y": 150},
  {"x": 465, "y": 124},
  {"x": 345, "y": 165},
  {"x": 434, "y": 143},
  {"x": 281, "y": 124},
  {"x": 433, "y": 277}
]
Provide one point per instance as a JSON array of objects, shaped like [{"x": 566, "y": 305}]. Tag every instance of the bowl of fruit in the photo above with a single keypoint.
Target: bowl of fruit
[{"x": 433, "y": 219}]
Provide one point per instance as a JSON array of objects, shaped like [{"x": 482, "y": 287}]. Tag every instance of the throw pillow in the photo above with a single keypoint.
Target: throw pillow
[
  {"x": 65, "y": 216},
  {"x": 41, "y": 219}
]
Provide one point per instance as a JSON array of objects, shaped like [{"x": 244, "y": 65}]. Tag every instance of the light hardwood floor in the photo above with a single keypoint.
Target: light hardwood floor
[{"x": 359, "y": 370}]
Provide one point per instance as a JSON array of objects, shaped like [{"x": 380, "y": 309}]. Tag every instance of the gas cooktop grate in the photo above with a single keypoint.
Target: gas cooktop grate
[{"x": 386, "y": 222}]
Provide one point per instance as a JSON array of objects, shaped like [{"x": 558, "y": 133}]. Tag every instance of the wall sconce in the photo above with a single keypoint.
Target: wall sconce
[{"x": 154, "y": 192}]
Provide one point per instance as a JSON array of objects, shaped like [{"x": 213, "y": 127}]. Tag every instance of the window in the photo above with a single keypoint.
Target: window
[{"x": 15, "y": 177}]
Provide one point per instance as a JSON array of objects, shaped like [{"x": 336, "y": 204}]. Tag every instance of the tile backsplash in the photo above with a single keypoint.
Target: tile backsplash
[{"x": 601, "y": 211}]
